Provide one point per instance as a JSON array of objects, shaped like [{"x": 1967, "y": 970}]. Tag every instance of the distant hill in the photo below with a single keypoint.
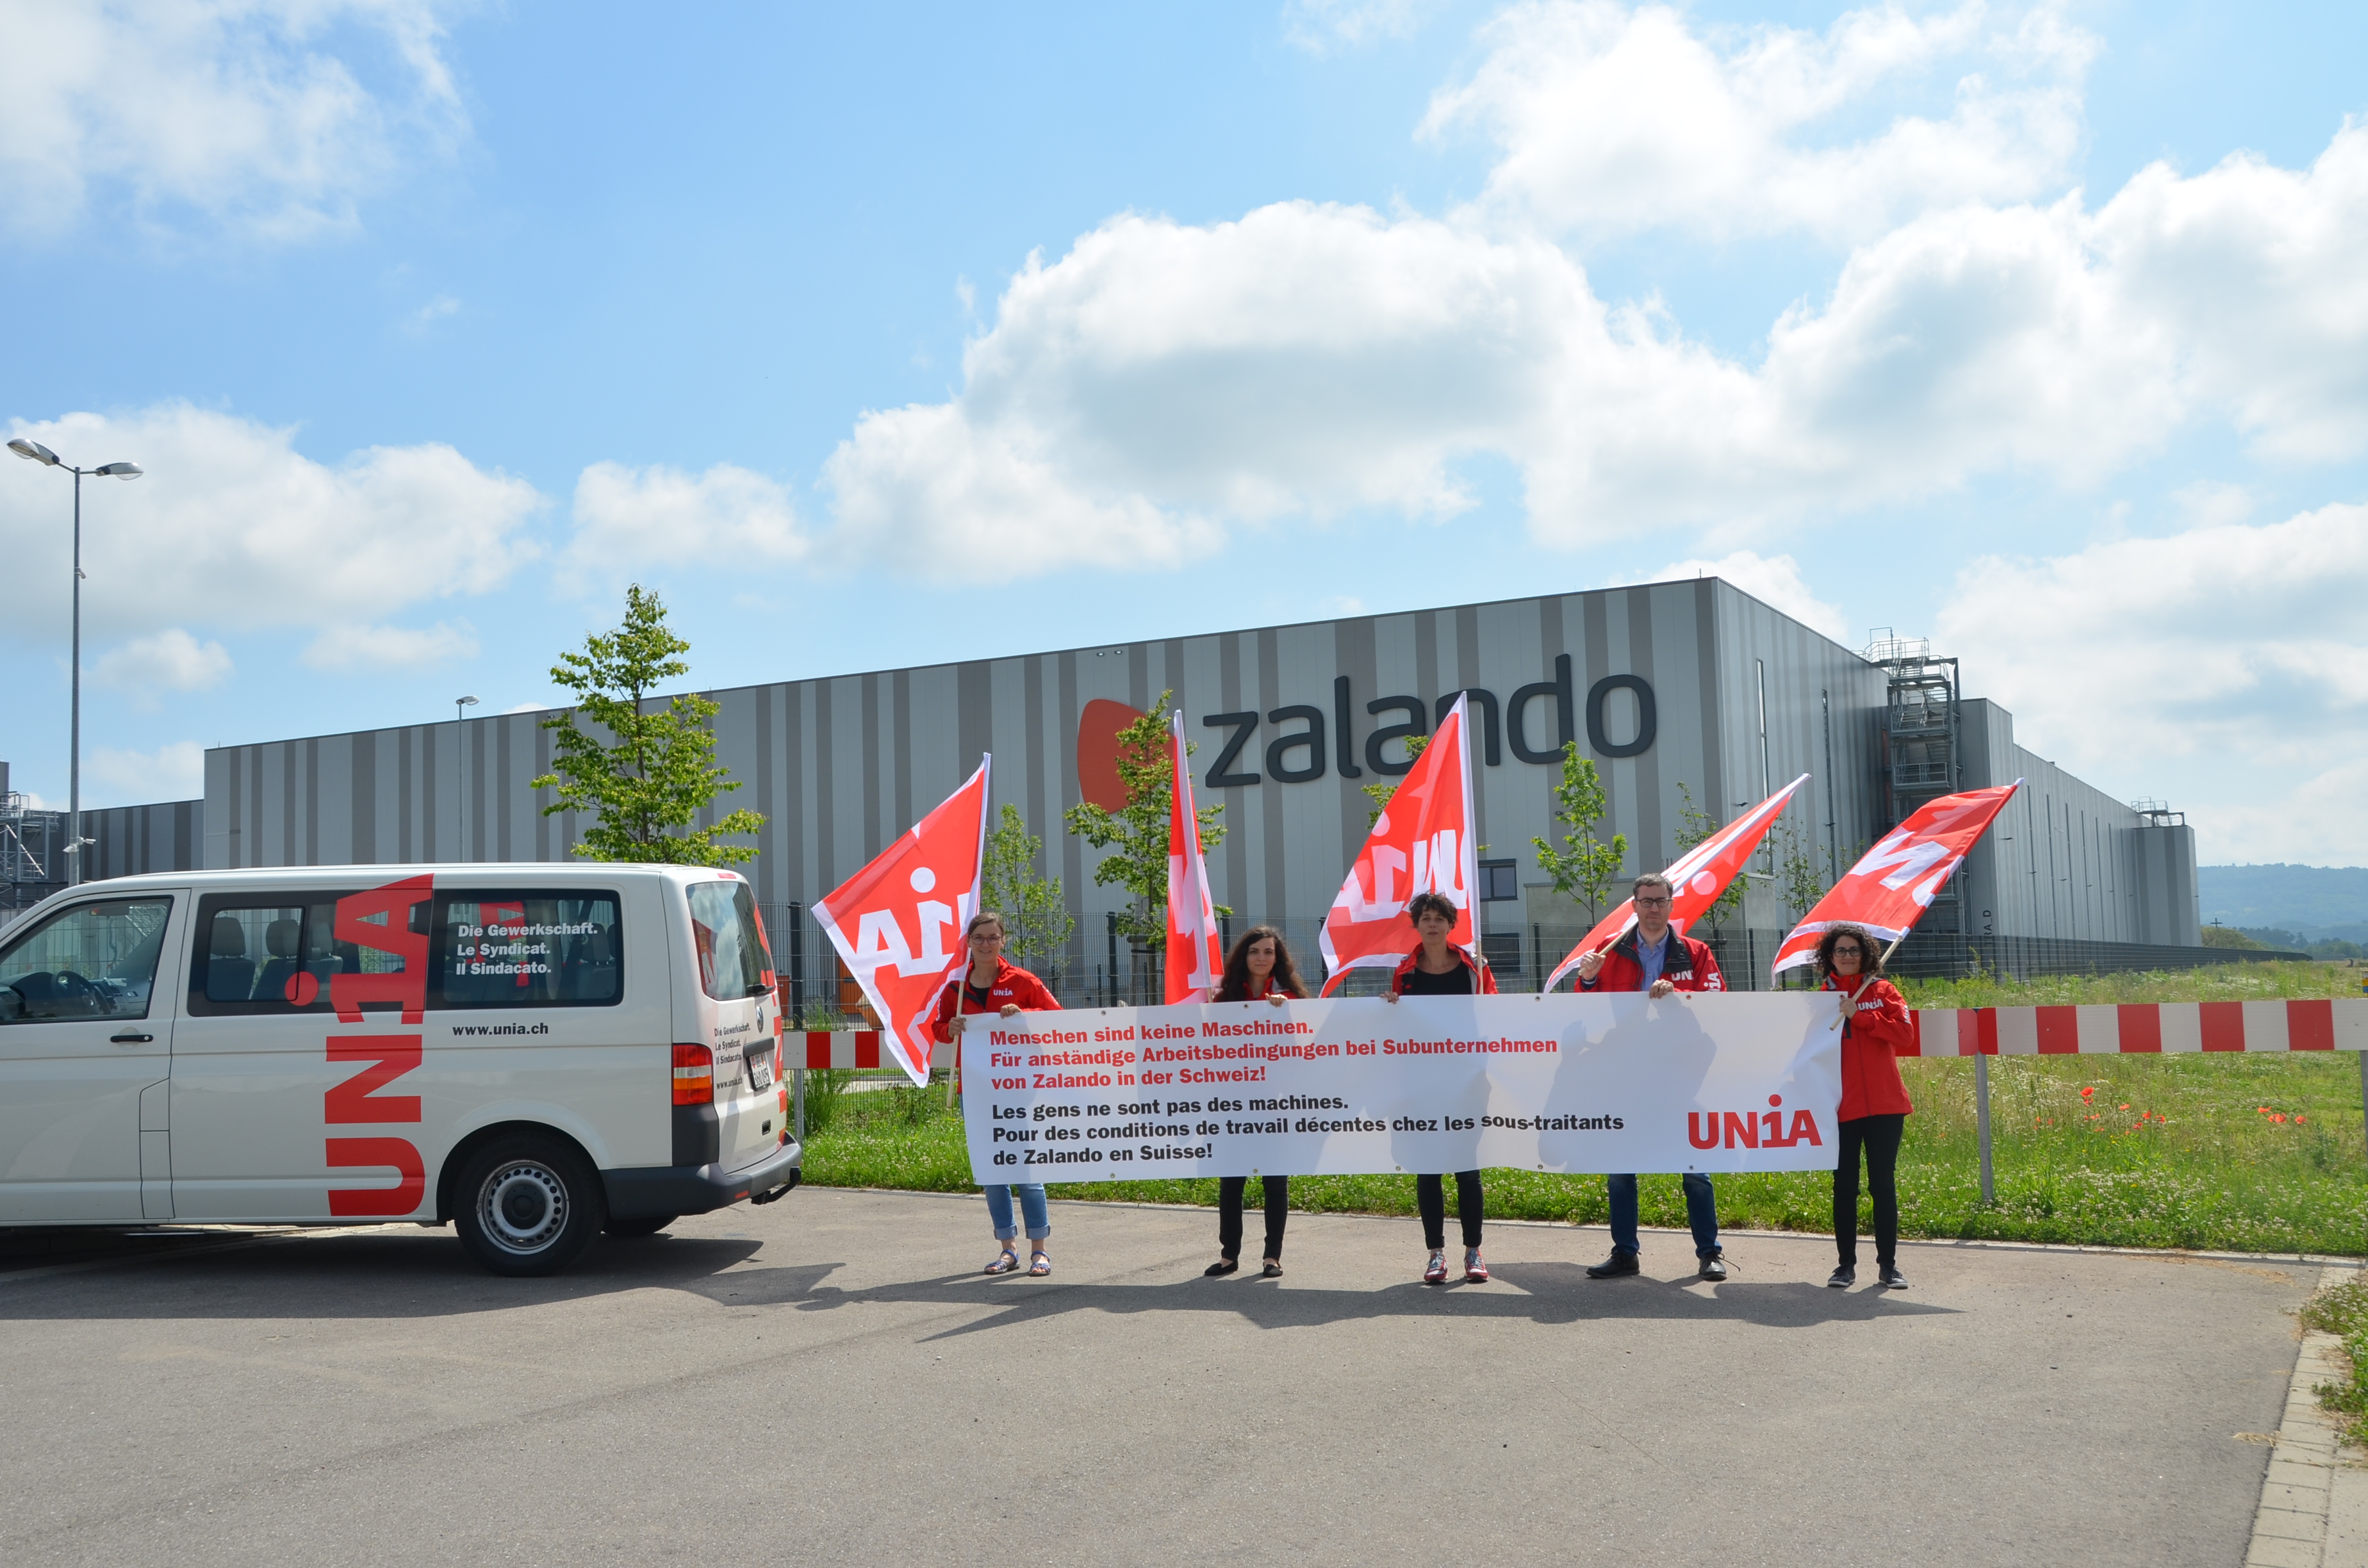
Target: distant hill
[{"x": 2318, "y": 902}]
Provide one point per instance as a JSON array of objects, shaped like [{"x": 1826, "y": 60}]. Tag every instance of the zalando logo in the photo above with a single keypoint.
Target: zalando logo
[
  {"x": 1308, "y": 742},
  {"x": 1752, "y": 1129}
]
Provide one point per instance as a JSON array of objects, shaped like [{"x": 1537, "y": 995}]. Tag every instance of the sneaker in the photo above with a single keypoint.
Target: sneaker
[
  {"x": 1476, "y": 1271},
  {"x": 1714, "y": 1267},
  {"x": 1620, "y": 1261},
  {"x": 1841, "y": 1279},
  {"x": 1892, "y": 1280},
  {"x": 1435, "y": 1274}
]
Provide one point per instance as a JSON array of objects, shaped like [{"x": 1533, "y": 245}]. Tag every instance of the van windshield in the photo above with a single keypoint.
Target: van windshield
[{"x": 732, "y": 961}]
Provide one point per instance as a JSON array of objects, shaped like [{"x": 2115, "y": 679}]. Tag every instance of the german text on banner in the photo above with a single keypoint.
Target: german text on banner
[
  {"x": 1422, "y": 843},
  {"x": 898, "y": 924},
  {"x": 1696, "y": 878},
  {"x": 1194, "y": 961},
  {"x": 1361, "y": 1086},
  {"x": 1893, "y": 883}
]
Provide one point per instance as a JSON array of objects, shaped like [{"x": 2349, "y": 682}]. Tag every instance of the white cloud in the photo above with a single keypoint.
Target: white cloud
[
  {"x": 1163, "y": 381},
  {"x": 232, "y": 528},
  {"x": 1774, "y": 581},
  {"x": 416, "y": 324},
  {"x": 175, "y": 771},
  {"x": 1318, "y": 26},
  {"x": 233, "y": 110},
  {"x": 1612, "y": 121},
  {"x": 171, "y": 659},
  {"x": 725, "y": 519},
  {"x": 390, "y": 648},
  {"x": 2232, "y": 656}
]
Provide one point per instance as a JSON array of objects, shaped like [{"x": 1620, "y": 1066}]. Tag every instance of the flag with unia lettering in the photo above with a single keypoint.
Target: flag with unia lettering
[
  {"x": 1421, "y": 843},
  {"x": 898, "y": 922},
  {"x": 1696, "y": 878},
  {"x": 1894, "y": 882},
  {"x": 1195, "y": 958}
]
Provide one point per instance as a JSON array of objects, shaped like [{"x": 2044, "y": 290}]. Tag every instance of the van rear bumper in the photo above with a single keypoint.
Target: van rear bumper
[{"x": 697, "y": 1189}]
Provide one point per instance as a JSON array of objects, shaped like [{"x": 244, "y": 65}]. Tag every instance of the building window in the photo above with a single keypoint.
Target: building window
[{"x": 1499, "y": 882}]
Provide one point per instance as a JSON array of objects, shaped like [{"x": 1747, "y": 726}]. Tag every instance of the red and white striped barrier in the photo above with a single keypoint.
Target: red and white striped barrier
[
  {"x": 856, "y": 1048},
  {"x": 2144, "y": 1028}
]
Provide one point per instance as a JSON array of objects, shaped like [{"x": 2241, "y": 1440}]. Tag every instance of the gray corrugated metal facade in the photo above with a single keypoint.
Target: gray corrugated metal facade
[{"x": 1728, "y": 697}]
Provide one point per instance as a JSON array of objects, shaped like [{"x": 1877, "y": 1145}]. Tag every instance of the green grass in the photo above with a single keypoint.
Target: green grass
[
  {"x": 2343, "y": 1312},
  {"x": 2159, "y": 1151}
]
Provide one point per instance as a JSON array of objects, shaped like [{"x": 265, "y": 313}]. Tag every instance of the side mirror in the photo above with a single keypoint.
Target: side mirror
[{"x": 12, "y": 1003}]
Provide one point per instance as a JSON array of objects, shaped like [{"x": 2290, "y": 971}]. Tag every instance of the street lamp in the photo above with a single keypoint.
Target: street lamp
[
  {"x": 460, "y": 776},
  {"x": 35, "y": 452}
]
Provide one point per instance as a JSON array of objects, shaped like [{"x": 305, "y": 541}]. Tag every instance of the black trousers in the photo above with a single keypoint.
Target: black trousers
[
  {"x": 1229, "y": 1213},
  {"x": 1430, "y": 1197},
  {"x": 1879, "y": 1136}
]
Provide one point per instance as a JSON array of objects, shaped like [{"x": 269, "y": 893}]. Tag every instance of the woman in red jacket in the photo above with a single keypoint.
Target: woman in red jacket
[
  {"x": 1437, "y": 967},
  {"x": 1259, "y": 969},
  {"x": 1875, "y": 1107},
  {"x": 992, "y": 985}
]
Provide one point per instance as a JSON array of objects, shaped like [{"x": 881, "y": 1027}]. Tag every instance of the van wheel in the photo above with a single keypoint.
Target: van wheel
[
  {"x": 528, "y": 1205},
  {"x": 641, "y": 1225}
]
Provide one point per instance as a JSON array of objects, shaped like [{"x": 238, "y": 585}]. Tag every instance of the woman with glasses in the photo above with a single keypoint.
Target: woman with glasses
[{"x": 1874, "y": 1108}]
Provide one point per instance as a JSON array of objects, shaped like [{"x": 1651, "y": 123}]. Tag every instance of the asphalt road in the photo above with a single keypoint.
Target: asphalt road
[{"x": 829, "y": 1378}]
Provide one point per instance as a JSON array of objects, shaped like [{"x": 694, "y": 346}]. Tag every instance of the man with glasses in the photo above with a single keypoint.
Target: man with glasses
[{"x": 1658, "y": 961}]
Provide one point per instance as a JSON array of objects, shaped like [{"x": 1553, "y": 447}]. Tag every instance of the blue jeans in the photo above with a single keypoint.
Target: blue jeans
[
  {"x": 1031, "y": 1209},
  {"x": 1702, "y": 1214}
]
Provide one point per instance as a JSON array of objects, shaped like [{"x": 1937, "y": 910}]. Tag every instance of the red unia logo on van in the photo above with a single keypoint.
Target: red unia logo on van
[{"x": 1752, "y": 1129}]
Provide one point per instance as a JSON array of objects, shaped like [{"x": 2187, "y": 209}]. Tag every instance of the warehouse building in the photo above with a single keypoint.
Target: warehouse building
[{"x": 1684, "y": 693}]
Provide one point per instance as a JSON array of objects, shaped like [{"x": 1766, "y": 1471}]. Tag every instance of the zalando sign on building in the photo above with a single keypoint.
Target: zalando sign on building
[{"x": 1691, "y": 683}]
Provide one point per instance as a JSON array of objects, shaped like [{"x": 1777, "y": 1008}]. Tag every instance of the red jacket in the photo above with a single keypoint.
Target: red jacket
[
  {"x": 1691, "y": 969},
  {"x": 1871, "y": 1037},
  {"x": 1486, "y": 976},
  {"x": 1012, "y": 986}
]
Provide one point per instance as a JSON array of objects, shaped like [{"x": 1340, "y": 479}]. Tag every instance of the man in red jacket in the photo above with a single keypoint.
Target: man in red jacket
[{"x": 1659, "y": 961}]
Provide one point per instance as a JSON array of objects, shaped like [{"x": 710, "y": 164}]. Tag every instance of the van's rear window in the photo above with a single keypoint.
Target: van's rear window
[
  {"x": 731, "y": 958},
  {"x": 527, "y": 949}
]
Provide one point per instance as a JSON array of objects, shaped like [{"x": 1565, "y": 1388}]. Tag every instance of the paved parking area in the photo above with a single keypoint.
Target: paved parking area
[{"x": 829, "y": 1378}]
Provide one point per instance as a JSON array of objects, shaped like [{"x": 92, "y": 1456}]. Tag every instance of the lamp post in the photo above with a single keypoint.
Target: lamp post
[
  {"x": 35, "y": 452},
  {"x": 460, "y": 705}
]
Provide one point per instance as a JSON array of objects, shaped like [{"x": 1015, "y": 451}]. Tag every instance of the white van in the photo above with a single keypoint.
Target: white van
[{"x": 535, "y": 1053}]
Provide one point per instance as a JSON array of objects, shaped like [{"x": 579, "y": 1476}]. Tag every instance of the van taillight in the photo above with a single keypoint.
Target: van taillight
[{"x": 694, "y": 1075}]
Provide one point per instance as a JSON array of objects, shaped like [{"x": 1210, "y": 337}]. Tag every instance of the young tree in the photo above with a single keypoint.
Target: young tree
[
  {"x": 1803, "y": 870},
  {"x": 1036, "y": 920},
  {"x": 1584, "y": 869},
  {"x": 652, "y": 772},
  {"x": 1138, "y": 830},
  {"x": 1381, "y": 793},
  {"x": 1696, "y": 825}
]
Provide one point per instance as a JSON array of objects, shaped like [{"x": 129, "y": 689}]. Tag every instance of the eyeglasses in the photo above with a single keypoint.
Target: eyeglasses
[
  {"x": 1650, "y": 903},
  {"x": 1853, "y": 950}
]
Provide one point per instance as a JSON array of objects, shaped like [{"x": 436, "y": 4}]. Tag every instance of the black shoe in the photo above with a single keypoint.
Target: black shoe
[
  {"x": 1271, "y": 1271},
  {"x": 1223, "y": 1265},
  {"x": 1620, "y": 1261},
  {"x": 1842, "y": 1278},
  {"x": 1892, "y": 1280},
  {"x": 1714, "y": 1267}
]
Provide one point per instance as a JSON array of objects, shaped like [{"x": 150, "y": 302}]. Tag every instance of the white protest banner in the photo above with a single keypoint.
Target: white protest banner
[{"x": 1571, "y": 1083}]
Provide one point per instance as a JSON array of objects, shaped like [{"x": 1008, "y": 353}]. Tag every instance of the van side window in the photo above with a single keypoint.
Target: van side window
[
  {"x": 528, "y": 948},
  {"x": 733, "y": 961},
  {"x": 256, "y": 954},
  {"x": 95, "y": 960}
]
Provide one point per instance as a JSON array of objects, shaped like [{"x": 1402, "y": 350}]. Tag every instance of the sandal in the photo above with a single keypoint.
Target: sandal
[
  {"x": 1223, "y": 1265},
  {"x": 1476, "y": 1270},
  {"x": 1039, "y": 1266},
  {"x": 1005, "y": 1262},
  {"x": 1435, "y": 1274}
]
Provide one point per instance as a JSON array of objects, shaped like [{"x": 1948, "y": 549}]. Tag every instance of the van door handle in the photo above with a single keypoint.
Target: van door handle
[{"x": 132, "y": 1039}]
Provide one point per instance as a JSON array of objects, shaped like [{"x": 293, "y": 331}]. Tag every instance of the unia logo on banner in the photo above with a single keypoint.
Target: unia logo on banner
[{"x": 1752, "y": 1129}]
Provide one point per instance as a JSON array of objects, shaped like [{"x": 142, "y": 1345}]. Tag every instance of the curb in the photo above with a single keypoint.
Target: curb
[{"x": 2313, "y": 1507}]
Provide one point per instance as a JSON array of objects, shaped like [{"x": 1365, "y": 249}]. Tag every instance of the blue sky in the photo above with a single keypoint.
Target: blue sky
[{"x": 2039, "y": 330}]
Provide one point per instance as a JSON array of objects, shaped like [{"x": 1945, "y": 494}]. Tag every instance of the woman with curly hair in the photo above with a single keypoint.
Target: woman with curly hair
[{"x": 1874, "y": 1108}]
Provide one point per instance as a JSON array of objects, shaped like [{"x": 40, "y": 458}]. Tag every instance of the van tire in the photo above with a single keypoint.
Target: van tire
[
  {"x": 529, "y": 1204},
  {"x": 639, "y": 1224}
]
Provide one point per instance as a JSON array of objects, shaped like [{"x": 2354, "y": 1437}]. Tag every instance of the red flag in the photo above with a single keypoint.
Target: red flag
[
  {"x": 902, "y": 908},
  {"x": 1194, "y": 958},
  {"x": 1893, "y": 883},
  {"x": 1696, "y": 878},
  {"x": 1422, "y": 844}
]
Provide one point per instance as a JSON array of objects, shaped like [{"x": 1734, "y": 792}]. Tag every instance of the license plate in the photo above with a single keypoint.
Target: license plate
[{"x": 761, "y": 1070}]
